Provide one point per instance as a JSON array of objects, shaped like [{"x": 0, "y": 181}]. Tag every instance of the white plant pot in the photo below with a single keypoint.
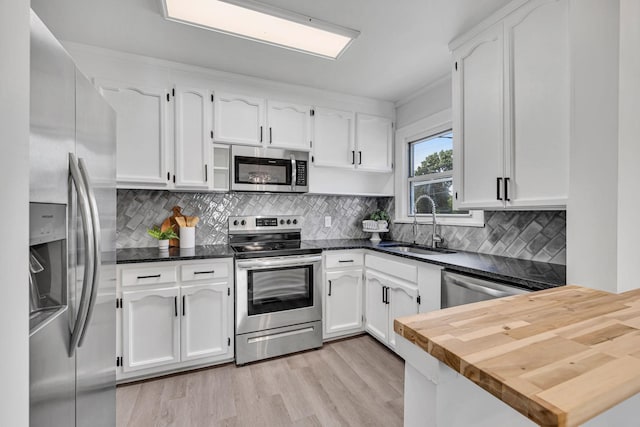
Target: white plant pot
[
  {"x": 163, "y": 245},
  {"x": 187, "y": 237},
  {"x": 382, "y": 224}
]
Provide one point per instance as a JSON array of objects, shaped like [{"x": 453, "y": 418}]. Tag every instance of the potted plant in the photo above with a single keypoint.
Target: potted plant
[
  {"x": 162, "y": 236},
  {"x": 381, "y": 217}
]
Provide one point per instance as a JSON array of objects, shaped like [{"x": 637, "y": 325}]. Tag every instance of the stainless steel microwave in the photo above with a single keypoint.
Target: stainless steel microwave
[{"x": 269, "y": 170}]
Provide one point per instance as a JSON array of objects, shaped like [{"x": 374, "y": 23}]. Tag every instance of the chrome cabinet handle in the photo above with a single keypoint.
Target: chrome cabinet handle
[
  {"x": 89, "y": 241},
  {"x": 97, "y": 247}
]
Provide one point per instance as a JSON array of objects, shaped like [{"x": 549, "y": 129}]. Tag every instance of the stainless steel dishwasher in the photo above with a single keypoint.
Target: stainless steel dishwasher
[{"x": 458, "y": 289}]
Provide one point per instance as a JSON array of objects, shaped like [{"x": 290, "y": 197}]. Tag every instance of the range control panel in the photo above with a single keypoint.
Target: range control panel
[{"x": 260, "y": 223}]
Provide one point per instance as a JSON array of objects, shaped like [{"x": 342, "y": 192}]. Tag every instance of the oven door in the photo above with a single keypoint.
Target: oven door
[
  {"x": 276, "y": 292},
  {"x": 273, "y": 170}
]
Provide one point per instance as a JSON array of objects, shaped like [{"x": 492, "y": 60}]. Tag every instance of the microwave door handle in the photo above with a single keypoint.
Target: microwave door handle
[
  {"x": 294, "y": 173},
  {"x": 85, "y": 214},
  {"x": 97, "y": 247}
]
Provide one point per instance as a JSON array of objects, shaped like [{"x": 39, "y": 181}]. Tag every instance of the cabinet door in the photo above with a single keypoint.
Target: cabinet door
[
  {"x": 374, "y": 139},
  {"x": 193, "y": 125},
  {"x": 141, "y": 133},
  {"x": 538, "y": 83},
  {"x": 333, "y": 138},
  {"x": 403, "y": 301},
  {"x": 239, "y": 119},
  {"x": 343, "y": 302},
  {"x": 377, "y": 313},
  {"x": 204, "y": 325},
  {"x": 478, "y": 122},
  {"x": 151, "y": 328},
  {"x": 288, "y": 125}
]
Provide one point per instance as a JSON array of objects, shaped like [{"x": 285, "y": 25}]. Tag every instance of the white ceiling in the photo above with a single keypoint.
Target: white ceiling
[{"x": 402, "y": 46}]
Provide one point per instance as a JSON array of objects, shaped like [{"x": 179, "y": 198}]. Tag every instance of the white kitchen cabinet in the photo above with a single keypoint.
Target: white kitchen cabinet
[
  {"x": 376, "y": 310},
  {"x": 388, "y": 298},
  {"x": 204, "y": 323},
  {"x": 174, "y": 315},
  {"x": 193, "y": 125},
  {"x": 333, "y": 138},
  {"x": 511, "y": 111},
  {"x": 150, "y": 328},
  {"x": 478, "y": 120},
  {"x": 239, "y": 119},
  {"x": 288, "y": 125},
  {"x": 142, "y": 143},
  {"x": 374, "y": 141},
  {"x": 538, "y": 87},
  {"x": 343, "y": 302},
  {"x": 343, "y": 139}
]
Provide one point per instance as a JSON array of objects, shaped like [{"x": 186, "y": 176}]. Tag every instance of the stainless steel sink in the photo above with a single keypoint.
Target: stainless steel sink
[{"x": 417, "y": 250}]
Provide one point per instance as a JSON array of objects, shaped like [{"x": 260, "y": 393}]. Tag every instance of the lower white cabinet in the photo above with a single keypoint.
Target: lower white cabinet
[
  {"x": 151, "y": 328},
  {"x": 171, "y": 326},
  {"x": 387, "y": 298},
  {"x": 204, "y": 305},
  {"x": 343, "y": 302}
]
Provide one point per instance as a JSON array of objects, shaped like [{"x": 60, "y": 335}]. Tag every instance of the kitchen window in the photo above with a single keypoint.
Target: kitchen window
[{"x": 426, "y": 150}]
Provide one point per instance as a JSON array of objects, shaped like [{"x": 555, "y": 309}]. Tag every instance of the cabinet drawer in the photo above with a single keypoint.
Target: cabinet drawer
[
  {"x": 149, "y": 275},
  {"x": 399, "y": 269},
  {"x": 213, "y": 270},
  {"x": 343, "y": 259}
]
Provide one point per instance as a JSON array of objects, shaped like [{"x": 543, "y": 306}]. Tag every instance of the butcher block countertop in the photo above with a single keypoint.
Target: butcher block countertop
[{"x": 559, "y": 356}]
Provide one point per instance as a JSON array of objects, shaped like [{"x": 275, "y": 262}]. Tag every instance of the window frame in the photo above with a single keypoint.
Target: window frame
[{"x": 433, "y": 125}]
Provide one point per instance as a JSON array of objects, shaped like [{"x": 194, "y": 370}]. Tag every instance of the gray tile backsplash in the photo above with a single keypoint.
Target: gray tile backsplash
[
  {"x": 536, "y": 235},
  {"x": 142, "y": 209}
]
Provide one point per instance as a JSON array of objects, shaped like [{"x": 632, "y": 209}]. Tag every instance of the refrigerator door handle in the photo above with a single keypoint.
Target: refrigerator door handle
[
  {"x": 97, "y": 246},
  {"x": 85, "y": 213}
]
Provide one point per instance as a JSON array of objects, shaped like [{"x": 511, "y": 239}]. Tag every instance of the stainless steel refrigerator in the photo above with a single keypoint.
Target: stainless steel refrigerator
[{"x": 72, "y": 242}]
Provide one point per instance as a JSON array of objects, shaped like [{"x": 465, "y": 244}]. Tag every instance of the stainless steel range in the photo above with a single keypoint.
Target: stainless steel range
[{"x": 278, "y": 300}]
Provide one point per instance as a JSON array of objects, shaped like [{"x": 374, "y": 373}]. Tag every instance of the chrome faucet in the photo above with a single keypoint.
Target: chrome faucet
[{"x": 435, "y": 238}]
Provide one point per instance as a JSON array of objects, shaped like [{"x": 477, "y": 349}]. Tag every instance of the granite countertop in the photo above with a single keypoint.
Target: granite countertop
[
  {"x": 135, "y": 255},
  {"x": 532, "y": 275},
  {"x": 559, "y": 357}
]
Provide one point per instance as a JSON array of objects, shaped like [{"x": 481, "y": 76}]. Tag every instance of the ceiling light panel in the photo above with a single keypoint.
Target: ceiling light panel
[{"x": 263, "y": 23}]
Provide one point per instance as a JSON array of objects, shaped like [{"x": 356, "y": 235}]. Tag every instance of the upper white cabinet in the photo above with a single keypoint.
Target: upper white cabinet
[
  {"x": 288, "y": 125},
  {"x": 374, "y": 139},
  {"x": 193, "y": 124},
  {"x": 355, "y": 141},
  {"x": 478, "y": 120},
  {"x": 239, "y": 119},
  {"x": 142, "y": 145},
  {"x": 511, "y": 110},
  {"x": 537, "y": 35},
  {"x": 333, "y": 138}
]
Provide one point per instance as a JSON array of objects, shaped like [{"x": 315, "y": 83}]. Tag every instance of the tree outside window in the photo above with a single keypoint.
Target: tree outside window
[{"x": 431, "y": 172}]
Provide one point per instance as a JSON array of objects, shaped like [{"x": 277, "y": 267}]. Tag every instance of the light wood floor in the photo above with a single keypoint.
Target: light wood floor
[{"x": 354, "y": 382}]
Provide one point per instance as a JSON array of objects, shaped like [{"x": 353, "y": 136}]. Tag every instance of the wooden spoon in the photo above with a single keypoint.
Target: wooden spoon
[
  {"x": 193, "y": 220},
  {"x": 181, "y": 221}
]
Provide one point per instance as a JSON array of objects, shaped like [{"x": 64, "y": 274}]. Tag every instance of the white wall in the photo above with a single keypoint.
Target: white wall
[
  {"x": 14, "y": 193},
  {"x": 629, "y": 146},
  {"x": 602, "y": 228},
  {"x": 593, "y": 182},
  {"x": 429, "y": 100}
]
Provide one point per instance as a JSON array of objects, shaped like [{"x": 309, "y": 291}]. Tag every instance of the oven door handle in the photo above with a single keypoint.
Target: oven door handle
[{"x": 280, "y": 262}]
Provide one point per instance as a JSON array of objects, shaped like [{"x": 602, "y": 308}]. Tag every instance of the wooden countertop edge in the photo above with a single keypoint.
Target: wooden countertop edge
[
  {"x": 541, "y": 412},
  {"x": 533, "y": 407}
]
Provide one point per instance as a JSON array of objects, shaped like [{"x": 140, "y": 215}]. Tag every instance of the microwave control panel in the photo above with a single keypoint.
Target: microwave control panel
[{"x": 301, "y": 173}]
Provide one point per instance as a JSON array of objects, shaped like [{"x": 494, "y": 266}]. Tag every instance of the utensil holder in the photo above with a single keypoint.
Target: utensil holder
[{"x": 187, "y": 237}]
